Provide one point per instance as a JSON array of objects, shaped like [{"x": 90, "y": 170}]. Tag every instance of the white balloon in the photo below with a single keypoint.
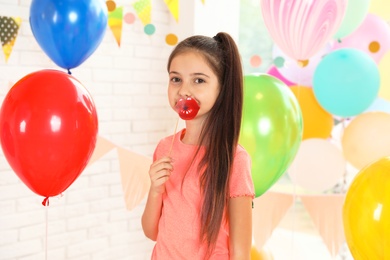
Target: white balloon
[{"x": 318, "y": 166}]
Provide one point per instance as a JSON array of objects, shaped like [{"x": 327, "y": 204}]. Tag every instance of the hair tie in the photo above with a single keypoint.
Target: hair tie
[{"x": 217, "y": 38}]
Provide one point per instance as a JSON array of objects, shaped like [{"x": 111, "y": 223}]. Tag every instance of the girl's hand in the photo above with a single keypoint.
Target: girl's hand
[{"x": 159, "y": 173}]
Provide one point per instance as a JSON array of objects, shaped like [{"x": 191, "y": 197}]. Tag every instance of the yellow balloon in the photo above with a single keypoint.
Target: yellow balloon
[
  {"x": 260, "y": 255},
  {"x": 366, "y": 139},
  {"x": 380, "y": 8},
  {"x": 366, "y": 212},
  {"x": 317, "y": 123},
  {"x": 384, "y": 65}
]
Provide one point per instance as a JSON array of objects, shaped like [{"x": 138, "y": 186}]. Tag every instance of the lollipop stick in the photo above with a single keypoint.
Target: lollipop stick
[{"x": 174, "y": 133}]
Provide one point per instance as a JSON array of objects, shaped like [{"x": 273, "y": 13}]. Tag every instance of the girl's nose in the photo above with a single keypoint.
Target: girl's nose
[{"x": 184, "y": 91}]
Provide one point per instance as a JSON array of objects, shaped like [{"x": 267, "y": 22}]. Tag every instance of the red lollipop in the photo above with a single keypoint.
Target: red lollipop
[{"x": 187, "y": 108}]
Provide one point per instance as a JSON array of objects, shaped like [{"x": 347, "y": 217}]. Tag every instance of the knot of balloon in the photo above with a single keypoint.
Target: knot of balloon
[
  {"x": 45, "y": 201},
  {"x": 187, "y": 108}
]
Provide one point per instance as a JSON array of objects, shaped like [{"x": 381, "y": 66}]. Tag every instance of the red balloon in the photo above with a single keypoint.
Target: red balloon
[{"x": 48, "y": 130}]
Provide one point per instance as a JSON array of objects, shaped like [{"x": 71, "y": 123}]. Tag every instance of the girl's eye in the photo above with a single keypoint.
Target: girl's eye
[
  {"x": 198, "y": 81},
  {"x": 175, "y": 79}
]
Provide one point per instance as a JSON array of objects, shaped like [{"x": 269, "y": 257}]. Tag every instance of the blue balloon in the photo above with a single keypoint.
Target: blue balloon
[
  {"x": 68, "y": 31},
  {"x": 346, "y": 82}
]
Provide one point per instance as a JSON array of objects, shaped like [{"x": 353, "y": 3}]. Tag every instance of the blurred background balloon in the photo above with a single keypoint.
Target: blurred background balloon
[
  {"x": 260, "y": 254},
  {"x": 366, "y": 212},
  {"x": 318, "y": 166},
  {"x": 271, "y": 128},
  {"x": 273, "y": 71},
  {"x": 346, "y": 82},
  {"x": 380, "y": 8},
  {"x": 371, "y": 37},
  {"x": 366, "y": 138},
  {"x": 300, "y": 72},
  {"x": 379, "y": 105},
  {"x": 384, "y": 65},
  {"x": 316, "y": 121},
  {"x": 301, "y": 28},
  {"x": 48, "y": 128},
  {"x": 68, "y": 31},
  {"x": 354, "y": 16}
]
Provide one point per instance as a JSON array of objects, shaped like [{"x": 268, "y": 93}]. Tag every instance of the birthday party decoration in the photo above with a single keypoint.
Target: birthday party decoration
[
  {"x": 300, "y": 27},
  {"x": 143, "y": 8},
  {"x": 317, "y": 122},
  {"x": 271, "y": 129},
  {"x": 318, "y": 166},
  {"x": 171, "y": 39},
  {"x": 325, "y": 211},
  {"x": 173, "y": 6},
  {"x": 346, "y": 82},
  {"x": 48, "y": 126},
  {"x": 380, "y": 8},
  {"x": 115, "y": 19},
  {"x": 69, "y": 31},
  {"x": 354, "y": 16},
  {"x": 366, "y": 138},
  {"x": 366, "y": 212},
  {"x": 384, "y": 65},
  {"x": 371, "y": 37},
  {"x": 9, "y": 27}
]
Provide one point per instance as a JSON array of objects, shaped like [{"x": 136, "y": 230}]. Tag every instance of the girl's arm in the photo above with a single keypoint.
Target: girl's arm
[
  {"x": 159, "y": 173},
  {"x": 240, "y": 219}
]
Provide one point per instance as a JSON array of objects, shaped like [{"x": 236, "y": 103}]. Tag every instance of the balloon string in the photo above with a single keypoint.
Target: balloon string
[
  {"x": 344, "y": 185},
  {"x": 45, "y": 201},
  {"x": 174, "y": 133},
  {"x": 47, "y": 227}
]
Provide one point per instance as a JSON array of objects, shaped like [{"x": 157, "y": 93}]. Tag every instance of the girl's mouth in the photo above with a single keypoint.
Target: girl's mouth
[{"x": 187, "y": 108}]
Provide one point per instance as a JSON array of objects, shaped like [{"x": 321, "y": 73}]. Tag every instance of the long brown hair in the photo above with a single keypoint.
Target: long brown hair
[{"x": 221, "y": 130}]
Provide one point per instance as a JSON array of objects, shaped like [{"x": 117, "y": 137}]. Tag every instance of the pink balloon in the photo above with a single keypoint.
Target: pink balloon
[
  {"x": 371, "y": 37},
  {"x": 273, "y": 71},
  {"x": 302, "y": 27}
]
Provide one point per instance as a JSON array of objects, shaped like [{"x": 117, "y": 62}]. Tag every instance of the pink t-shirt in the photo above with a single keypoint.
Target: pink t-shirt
[{"x": 179, "y": 226}]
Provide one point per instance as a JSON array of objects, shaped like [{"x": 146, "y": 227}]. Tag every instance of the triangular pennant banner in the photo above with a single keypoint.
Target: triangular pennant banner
[
  {"x": 102, "y": 147},
  {"x": 173, "y": 6},
  {"x": 143, "y": 8},
  {"x": 115, "y": 19},
  {"x": 134, "y": 170},
  {"x": 268, "y": 211},
  {"x": 9, "y": 27},
  {"x": 326, "y": 214}
]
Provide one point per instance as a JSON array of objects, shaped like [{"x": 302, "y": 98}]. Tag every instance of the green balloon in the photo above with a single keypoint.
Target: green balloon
[
  {"x": 271, "y": 129},
  {"x": 354, "y": 16}
]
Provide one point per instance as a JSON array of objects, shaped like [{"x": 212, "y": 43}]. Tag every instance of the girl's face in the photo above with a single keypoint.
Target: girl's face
[{"x": 191, "y": 76}]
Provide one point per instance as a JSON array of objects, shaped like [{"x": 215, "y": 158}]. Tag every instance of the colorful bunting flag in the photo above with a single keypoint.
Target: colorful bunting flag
[
  {"x": 102, "y": 147},
  {"x": 115, "y": 19},
  {"x": 326, "y": 214},
  {"x": 9, "y": 27},
  {"x": 143, "y": 8},
  {"x": 173, "y": 6},
  {"x": 134, "y": 171},
  {"x": 269, "y": 209},
  {"x": 134, "y": 175}
]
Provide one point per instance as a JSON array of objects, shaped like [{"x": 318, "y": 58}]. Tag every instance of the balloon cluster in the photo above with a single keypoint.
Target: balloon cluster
[
  {"x": 48, "y": 120},
  {"x": 334, "y": 55}
]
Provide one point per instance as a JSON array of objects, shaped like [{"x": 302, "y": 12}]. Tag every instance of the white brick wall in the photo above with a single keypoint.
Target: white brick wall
[{"x": 128, "y": 85}]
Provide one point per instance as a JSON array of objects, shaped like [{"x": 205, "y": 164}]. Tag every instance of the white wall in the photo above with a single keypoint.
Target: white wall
[{"x": 128, "y": 85}]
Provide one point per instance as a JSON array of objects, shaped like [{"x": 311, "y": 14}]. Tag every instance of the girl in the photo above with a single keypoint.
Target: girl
[{"x": 200, "y": 198}]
